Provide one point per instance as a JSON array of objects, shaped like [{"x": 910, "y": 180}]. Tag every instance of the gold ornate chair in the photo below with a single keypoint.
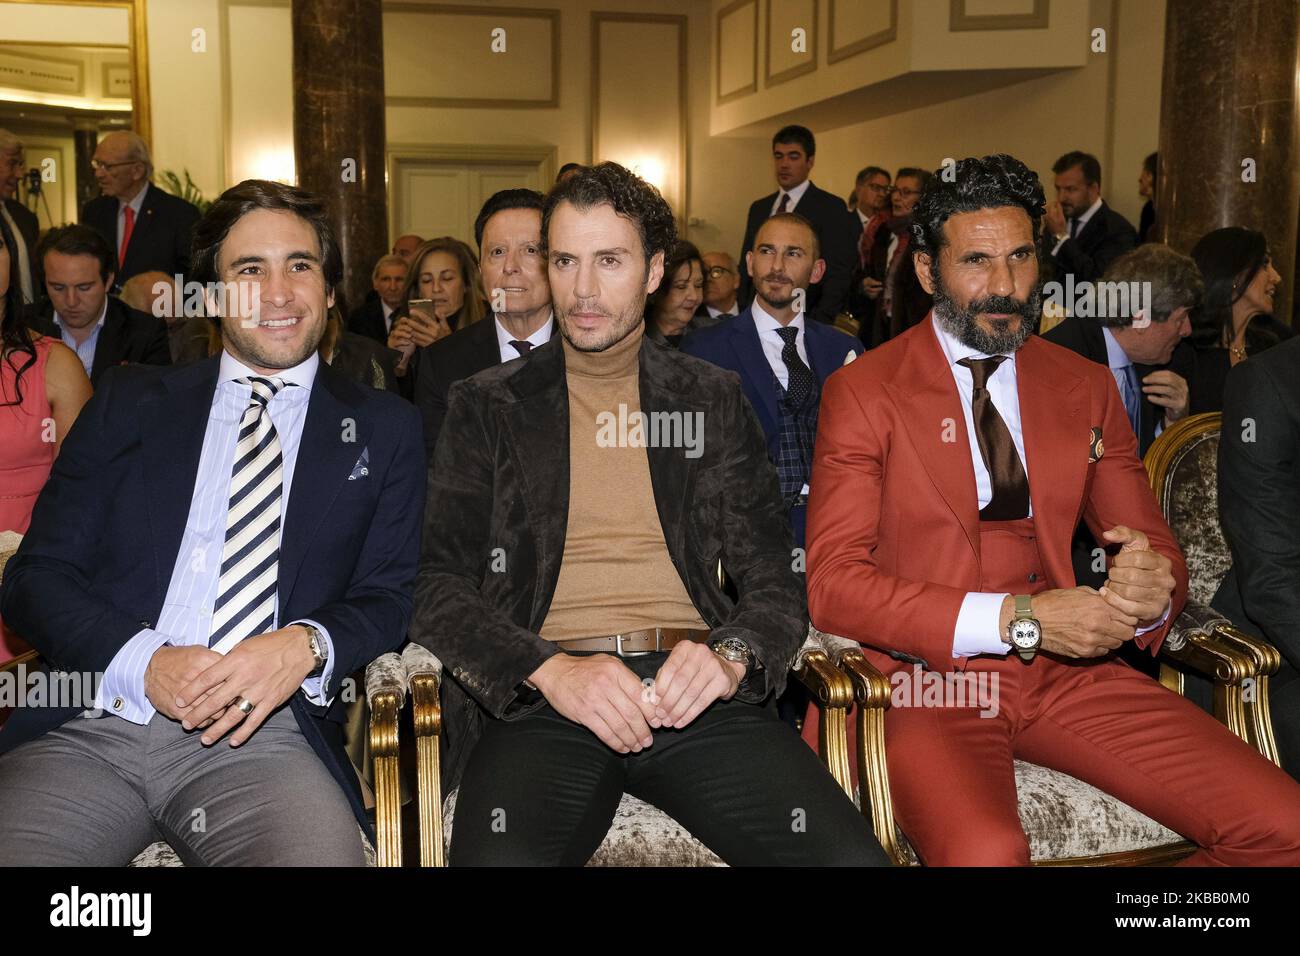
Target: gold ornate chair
[
  {"x": 1183, "y": 467},
  {"x": 383, "y": 702},
  {"x": 641, "y": 835},
  {"x": 1069, "y": 822}
]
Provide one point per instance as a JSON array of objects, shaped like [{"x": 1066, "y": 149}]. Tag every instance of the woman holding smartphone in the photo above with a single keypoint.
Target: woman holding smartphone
[{"x": 443, "y": 292}]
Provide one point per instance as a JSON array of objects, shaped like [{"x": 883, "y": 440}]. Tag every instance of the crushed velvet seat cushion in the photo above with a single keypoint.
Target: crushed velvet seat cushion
[
  {"x": 1065, "y": 819},
  {"x": 1192, "y": 509},
  {"x": 161, "y": 854},
  {"x": 641, "y": 835}
]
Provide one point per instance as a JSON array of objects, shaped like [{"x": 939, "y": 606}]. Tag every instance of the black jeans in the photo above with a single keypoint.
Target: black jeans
[{"x": 542, "y": 790}]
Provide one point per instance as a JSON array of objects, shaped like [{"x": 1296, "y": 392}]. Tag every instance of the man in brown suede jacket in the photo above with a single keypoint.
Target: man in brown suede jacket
[{"x": 580, "y": 500}]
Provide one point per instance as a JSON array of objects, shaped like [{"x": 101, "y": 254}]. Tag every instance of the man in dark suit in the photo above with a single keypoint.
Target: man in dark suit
[
  {"x": 794, "y": 153},
  {"x": 374, "y": 317},
  {"x": 22, "y": 222},
  {"x": 566, "y": 553},
  {"x": 176, "y": 569},
  {"x": 721, "y": 287},
  {"x": 886, "y": 297},
  {"x": 1259, "y": 505},
  {"x": 508, "y": 231},
  {"x": 782, "y": 358},
  {"x": 1142, "y": 345},
  {"x": 1083, "y": 234},
  {"x": 149, "y": 228},
  {"x": 102, "y": 329}
]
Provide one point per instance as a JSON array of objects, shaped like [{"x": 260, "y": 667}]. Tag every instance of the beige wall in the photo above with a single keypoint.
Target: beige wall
[{"x": 1109, "y": 107}]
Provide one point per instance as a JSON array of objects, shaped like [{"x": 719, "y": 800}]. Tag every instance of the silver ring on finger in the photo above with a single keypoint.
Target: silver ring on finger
[{"x": 245, "y": 706}]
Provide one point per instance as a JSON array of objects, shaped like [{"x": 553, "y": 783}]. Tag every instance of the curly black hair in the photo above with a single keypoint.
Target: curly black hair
[
  {"x": 610, "y": 184},
  {"x": 974, "y": 184}
]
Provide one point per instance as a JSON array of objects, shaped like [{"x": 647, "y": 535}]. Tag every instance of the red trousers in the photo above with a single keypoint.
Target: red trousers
[{"x": 951, "y": 771}]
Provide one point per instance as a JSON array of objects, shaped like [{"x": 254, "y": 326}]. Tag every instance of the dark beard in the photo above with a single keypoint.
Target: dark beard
[{"x": 1004, "y": 339}]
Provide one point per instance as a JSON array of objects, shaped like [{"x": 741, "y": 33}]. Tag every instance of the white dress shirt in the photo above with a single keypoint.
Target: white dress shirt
[
  {"x": 85, "y": 349},
  {"x": 1082, "y": 220},
  {"x": 978, "y": 622},
  {"x": 795, "y": 195},
  {"x": 719, "y": 314},
  {"x": 388, "y": 315},
  {"x": 136, "y": 205},
  {"x": 504, "y": 338},
  {"x": 18, "y": 255},
  {"x": 774, "y": 345},
  {"x": 186, "y": 617}
]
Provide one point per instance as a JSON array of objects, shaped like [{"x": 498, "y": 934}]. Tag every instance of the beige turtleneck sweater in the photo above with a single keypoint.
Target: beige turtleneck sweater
[{"x": 616, "y": 575}]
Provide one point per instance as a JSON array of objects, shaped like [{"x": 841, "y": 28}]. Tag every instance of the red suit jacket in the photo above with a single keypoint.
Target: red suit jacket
[{"x": 893, "y": 523}]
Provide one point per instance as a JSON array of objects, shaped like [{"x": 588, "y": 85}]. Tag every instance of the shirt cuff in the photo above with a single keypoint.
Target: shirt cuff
[
  {"x": 121, "y": 692},
  {"x": 977, "y": 630},
  {"x": 1158, "y": 624},
  {"x": 316, "y": 688}
]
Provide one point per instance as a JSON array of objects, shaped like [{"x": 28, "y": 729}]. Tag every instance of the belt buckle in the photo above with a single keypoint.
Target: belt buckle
[{"x": 618, "y": 646}]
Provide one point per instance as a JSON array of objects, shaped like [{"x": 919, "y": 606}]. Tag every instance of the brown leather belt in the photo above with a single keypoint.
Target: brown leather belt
[{"x": 634, "y": 643}]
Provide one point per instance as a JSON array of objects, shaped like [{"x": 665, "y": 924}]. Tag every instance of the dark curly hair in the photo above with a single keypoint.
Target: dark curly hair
[
  {"x": 974, "y": 184},
  {"x": 631, "y": 197},
  {"x": 238, "y": 201}
]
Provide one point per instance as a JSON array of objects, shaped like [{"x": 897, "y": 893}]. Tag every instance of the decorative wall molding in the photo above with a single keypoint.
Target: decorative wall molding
[
  {"x": 783, "y": 76},
  {"x": 551, "y": 16},
  {"x": 836, "y": 53},
  {"x": 732, "y": 9},
  {"x": 682, "y": 198},
  {"x": 959, "y": 19}
]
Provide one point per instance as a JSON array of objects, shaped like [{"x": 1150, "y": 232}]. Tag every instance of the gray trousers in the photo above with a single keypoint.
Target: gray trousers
[{"x": 97, "y": 791}]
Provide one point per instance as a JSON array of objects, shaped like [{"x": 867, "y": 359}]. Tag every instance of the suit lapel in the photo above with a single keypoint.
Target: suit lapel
[
  {"x": 665, "y": 386},
  {"x": 936, "y": 424},
  {"x": 173, "y": 429},
  {"x": 537, "y": 435},
  {"x": 1056, "y": 431},
  {"x": 109, "y": 347},
  {"x": 334, "y": 434},
  {"x": 758, "y": 373}
]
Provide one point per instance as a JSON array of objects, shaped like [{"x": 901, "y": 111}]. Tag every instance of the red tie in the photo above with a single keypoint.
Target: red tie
[
  {"x": 129, "y": 213},
  {"x": 784, "y": 205}
]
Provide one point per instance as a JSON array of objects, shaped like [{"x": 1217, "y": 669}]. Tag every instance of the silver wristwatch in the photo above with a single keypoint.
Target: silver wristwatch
[
  {"x": 736, "y": 650},
  {"x": 320, "y": 650}
]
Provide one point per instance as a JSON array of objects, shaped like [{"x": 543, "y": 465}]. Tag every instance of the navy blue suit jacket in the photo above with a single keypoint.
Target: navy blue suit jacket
[
  {"x": 733, "y": 344},
  {"x": 95, "y": 565}
]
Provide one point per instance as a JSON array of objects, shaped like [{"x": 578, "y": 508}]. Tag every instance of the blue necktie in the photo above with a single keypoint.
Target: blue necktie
[{"x": 1128, "y": 390}]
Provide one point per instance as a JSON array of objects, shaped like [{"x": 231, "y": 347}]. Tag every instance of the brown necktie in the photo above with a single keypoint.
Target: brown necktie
[
  {"x": 1010, "y": 486},
  {"x": 784, "y": 205}
]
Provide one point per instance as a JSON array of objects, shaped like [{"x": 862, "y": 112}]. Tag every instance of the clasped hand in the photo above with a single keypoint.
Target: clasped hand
[
  {"x": 199, "y": 687},
  {"x": 604, "y": 695}
]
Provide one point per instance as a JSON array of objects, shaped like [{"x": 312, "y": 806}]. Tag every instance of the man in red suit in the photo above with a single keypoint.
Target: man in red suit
[{"x": 954, "y": 463}]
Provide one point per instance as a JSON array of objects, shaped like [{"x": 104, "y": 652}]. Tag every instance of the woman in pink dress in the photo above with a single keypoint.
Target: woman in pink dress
[{"x": 42, "y": 388}]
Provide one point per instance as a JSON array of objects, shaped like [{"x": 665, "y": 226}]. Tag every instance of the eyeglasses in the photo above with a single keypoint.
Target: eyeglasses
[
  {"x": 717, "y": 272},
  {"x": 96, "y": 165},
  {"x": 877, "y": 188}
]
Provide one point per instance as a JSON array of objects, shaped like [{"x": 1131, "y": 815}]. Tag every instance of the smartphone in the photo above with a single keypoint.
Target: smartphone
[{"x": 424, "y": 305}]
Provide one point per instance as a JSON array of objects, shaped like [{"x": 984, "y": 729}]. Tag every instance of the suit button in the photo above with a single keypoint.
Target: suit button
[
  {"x": 1033, "y": 576},
  {"x": 118, "y": 703}
]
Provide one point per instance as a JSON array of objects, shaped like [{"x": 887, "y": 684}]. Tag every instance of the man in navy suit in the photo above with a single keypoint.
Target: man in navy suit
[
  {"x": 782, "y": 358},
  {"x": 794, "y": 151},
  {"x": 219, "y": 546},
  {"x": 149, "y": 229}
]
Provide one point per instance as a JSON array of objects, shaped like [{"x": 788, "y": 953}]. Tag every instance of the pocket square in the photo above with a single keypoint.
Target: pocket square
[
  {"x": 1095, "y": 447},
  {"x": 362, "y": 467}
]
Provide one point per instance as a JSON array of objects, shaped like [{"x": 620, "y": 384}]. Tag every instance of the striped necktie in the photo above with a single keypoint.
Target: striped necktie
[{"x": 250, "y": 558}]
